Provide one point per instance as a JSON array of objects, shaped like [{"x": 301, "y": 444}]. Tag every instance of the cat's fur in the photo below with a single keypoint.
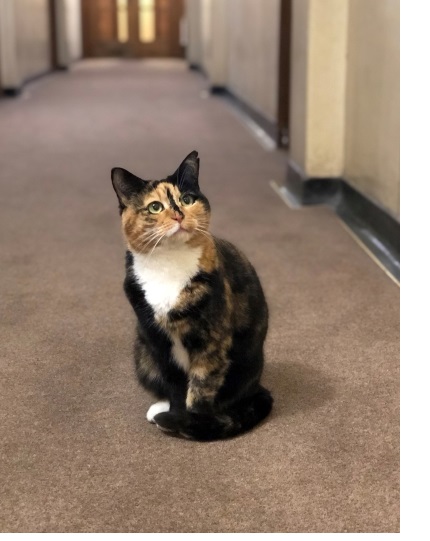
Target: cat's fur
[{"x": 201, "y": 313}]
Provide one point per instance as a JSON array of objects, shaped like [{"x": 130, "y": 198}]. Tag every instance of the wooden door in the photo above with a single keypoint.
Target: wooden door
[
  {"x": 133, "y": 28},
  {"x": 155, "y": 28}
]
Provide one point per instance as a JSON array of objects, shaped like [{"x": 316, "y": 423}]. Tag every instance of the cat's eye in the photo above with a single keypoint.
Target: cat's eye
[
  {"x": 187, "y": 199},
  {"x": 155, "y": 207}
]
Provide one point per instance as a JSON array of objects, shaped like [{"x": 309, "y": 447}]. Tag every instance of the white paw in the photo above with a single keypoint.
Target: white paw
[{"x": 158, "y": 407}]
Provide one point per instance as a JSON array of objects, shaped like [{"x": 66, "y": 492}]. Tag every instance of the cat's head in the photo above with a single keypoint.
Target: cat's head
[{"x": 158, "y": 212}]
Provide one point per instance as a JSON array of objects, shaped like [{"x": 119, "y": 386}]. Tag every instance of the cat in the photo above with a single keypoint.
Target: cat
[{"x": 202, "y": 317}]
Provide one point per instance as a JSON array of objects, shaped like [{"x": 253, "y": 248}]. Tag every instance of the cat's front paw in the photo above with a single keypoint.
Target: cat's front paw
[
  {"x": 155, "y": 409},
  {"x": 166, "y": 421}
]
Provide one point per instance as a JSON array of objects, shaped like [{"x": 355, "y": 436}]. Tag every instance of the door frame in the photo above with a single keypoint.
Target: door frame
[
  {"x": 283, "y": 116},
  {"x": 53, "y": 35}
]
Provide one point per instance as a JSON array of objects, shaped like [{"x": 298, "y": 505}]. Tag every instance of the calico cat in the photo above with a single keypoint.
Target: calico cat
[{"x": 201, "y": 313}]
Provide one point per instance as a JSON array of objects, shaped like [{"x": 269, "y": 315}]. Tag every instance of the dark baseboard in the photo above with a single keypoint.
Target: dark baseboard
[
  {"x": 268, "y": 126},
  {"x": 218, "y": 90},
  {"x": 311, "y": 191},
  {"x": 373, "y": 225},
  {"x": 13, "y": 92}
]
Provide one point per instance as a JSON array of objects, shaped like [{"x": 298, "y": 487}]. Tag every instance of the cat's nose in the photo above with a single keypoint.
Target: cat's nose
[{"x": 178, "y": 217}]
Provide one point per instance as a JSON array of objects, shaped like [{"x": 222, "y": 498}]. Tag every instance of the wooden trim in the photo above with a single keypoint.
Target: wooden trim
[
  {"x": 282, "y": 136},
  {"x": 53, "y": 34},
  {"x": 86, "y": 34},
  {"x": 85, "y": 15}
]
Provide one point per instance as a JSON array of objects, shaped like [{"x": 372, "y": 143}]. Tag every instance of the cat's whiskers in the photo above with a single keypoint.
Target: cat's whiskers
[
  {"x": 157, "y": 236},
  {"x": 147, "y": 241},
  {"x": 151, "y": 237},
  {"x": 156, "y": 244},
  {"x": 204, "y": 232}
]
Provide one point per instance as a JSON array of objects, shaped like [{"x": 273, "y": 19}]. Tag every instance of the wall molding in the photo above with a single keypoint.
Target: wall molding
[
  {"x": 373, "y": 225},
  {"x": 270, "y": 127}
]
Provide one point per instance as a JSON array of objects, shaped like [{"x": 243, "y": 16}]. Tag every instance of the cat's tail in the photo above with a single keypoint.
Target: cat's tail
[{"x": 207, "y": 426}]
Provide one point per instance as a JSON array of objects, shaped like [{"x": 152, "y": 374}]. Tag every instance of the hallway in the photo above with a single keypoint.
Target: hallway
[{"x": 77, "y": 452}]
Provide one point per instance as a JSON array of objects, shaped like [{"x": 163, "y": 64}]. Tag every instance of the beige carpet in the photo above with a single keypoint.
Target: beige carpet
[{"x": 76, "y": 451}]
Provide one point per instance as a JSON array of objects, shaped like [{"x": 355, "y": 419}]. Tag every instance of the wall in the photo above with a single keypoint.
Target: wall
[
  {"x": 193, "y": 10},
  {"x": 253, "y": 61},
  {"x": 344, "y": 102},
  {"x": 9, "y": 72},
  {"x": 238, "y": 47},
  {"x": 326, "y": 85},
  {"x": 206, "y": 35},
  {"x": 25, "y": 38},
  {"x": 373, "y": 101},
  {"x": 317, "y": 92},
  {"x": 68, "y": 25},
  {"x": 214, "y": 40},
  {"x": 344, "y": 90},
  {"x": 74, "y": 28},
  {"x": 32, "y": 37}
]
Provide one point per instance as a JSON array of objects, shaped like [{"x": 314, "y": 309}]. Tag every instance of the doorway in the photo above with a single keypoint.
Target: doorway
[{"x": 132, "y": 28}]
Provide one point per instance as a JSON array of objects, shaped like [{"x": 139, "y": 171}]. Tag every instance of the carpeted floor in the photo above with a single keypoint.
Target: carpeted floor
[{"x": 76, "y": 451}]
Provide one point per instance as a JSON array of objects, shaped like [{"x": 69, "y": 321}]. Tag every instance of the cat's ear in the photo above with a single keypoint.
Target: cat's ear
[
  {"x": 126, "y": 186},
  {"x": 187, "y": 173}
]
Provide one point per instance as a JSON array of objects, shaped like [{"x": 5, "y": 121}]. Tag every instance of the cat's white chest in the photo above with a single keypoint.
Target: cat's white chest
[{"x": 164, "y": 274}]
